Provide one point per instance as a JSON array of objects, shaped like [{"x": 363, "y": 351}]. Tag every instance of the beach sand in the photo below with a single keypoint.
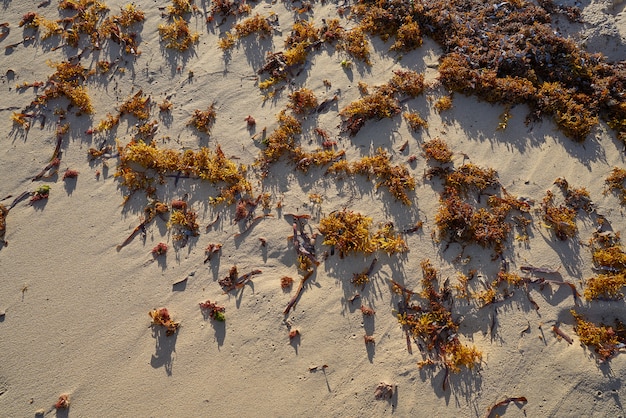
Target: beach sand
[{"x": 76, "y": 309}]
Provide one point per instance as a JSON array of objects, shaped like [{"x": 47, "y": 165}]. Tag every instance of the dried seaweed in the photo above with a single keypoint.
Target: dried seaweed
[
  {"x": 415, "y": 121},
  {"x": 604, "y": 339},
  {"x": 382, "y": 103},
  {"x": 302, "y": 101},
  {"x": 609, "y": 258},
  {"x": 396, "y": 178},
  {"x": 203, "y": 120},
  {"x": 348, "y": 232},
  {"x": 615, "y": 183},
  {"x": 177, "y": 34},
  {"x": 212, "y": 166},
  {"x": 162, "y": 317},
  {"x": 431, "y": 322},
  {"x": 438, "y": 150}
]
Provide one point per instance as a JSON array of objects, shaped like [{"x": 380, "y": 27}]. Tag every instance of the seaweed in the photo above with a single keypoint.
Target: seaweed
[
  {"x": 443, "y": 103},
  {"x": 255, "y": 24},
  {"x": 63, "y": 402},
  {"x": 282, "y": 140},
  {"x": 396, "y": 178},
  {"x": 108, "y": 123},
  {"x": 318, "y": 157},
  {"x": 162, "y": 317},
  {"x": 460, "y": 220},
  {"x": 302, "y": 101},
  {"x": 138, "y": 105},
  {"x": 42, "y": 192},
  {"x": 605, "y": 286},
  {"x": 159, "y": 249},
  {"x": 66, "y": 81},
  {"x": 415, "y": 121},
  {"x": 348, "y": 232},
  {"x": 3, "y": 220},
  {"x": 213, "y": 310},
  {"x": 407, "y": 82},
  {"x": 212, "y": 166},
  {"x": 382, "y": 103},
  {"x": 70, "y": 174},
  {"x": 431, "y": 322},
  {"x": 203, "y": 120},
  {"x": 165, "y": 106},
  {"x": 233, "y": 282},
  {"x": 391, "y": 19},
  {"x": 355, "y": 44},
  {"x": 302, "y": 32},
  {"x": 286, "y": 282},
  {"x": 615, "y": 183},
  {"x": 604, "y": 339},
  {"x": 367, "y": 311},
  {"x": 609, "y": 258},
  {"x": 386, "y": 239},
  {"x": 561, "y": 219},
  {"x": 438, "y": 150},
  {"x": 362, "y": 278},
  {"x": 227, "y": 8},
  {"x": 177, "y": 34}
]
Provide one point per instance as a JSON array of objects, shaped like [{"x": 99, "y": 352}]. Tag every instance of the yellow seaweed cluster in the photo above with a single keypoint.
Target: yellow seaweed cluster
[
  {"x": 559, "y": 218},
  {"x": 176, "y": 34},
  {"x": 255, "y": 24},
  {"x": 463, "y": 219},
  {"x": 282, "y": 140},
  {"x": 302, "y": 100},
  {"x": 184, "y": 224},
  {"x": 349, "y": 232},
  {"x": 415, "y": 121},
  {"x": 388, "y": 19},
  {"x": 396, "y": 178},
  {"x": 67, "y": 81},
  {"x": 212, "y": 166},
  {"x": 162, "y": 317},
  {"x": 604, "y": 339},
  {"x": 608, "y": 257}
]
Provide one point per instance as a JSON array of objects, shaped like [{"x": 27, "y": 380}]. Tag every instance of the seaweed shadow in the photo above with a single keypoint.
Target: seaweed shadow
[{"x": 165, "y": 346}]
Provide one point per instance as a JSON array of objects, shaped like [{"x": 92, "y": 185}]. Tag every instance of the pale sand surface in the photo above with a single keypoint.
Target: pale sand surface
[{"x": 76, "y": 309}]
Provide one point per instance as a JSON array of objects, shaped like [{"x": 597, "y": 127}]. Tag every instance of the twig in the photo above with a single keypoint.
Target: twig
[
  {"x": 252, "y": 223},
  {"x": 18, "y": 199},
  {"x": 504, "y": 402},
  {"x": 140, "y": 227},
  {"x": 295, "y": 297},
  {"x": 563, "y": 335},
  {"x": 217, "y": 218},
  {"x": 539, "y": 270}
]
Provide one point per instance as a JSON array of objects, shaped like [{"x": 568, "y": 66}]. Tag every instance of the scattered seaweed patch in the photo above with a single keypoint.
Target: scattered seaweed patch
[
  {"x": 605, "y": 340},
  {"x": 430, "y": 321}
]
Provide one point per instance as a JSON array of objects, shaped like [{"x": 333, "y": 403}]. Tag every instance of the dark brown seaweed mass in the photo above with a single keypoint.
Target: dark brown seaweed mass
[{"x": 507, "y": 52}]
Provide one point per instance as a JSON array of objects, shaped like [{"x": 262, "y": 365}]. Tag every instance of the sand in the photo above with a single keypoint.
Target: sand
[{"x": 76, "y": 309}]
